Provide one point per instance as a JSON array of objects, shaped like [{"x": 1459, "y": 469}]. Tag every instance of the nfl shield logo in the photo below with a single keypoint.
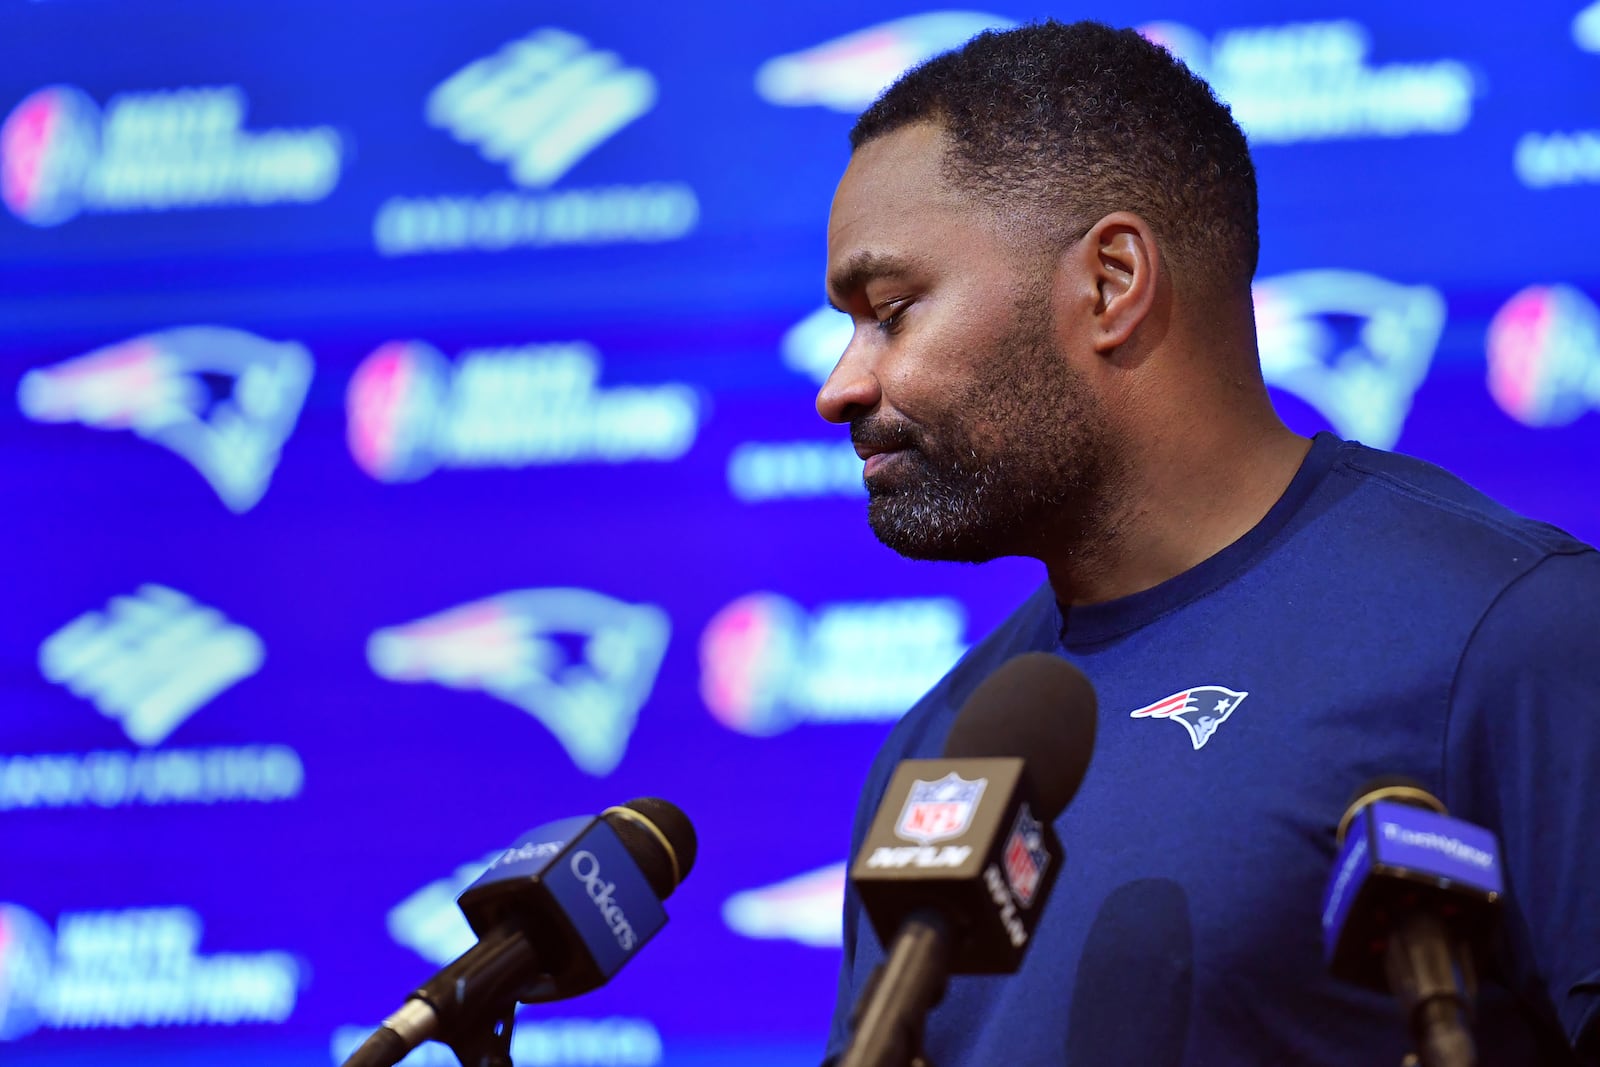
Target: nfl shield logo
[
  {"x": 1025, "y": 857},
  {"x": 937, "y": 810}
]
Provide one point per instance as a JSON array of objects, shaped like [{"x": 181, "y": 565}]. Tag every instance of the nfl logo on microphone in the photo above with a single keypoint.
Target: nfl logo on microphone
[
  {"x": 1025, "y": 857},
  {"x": 938, "y": 810}
]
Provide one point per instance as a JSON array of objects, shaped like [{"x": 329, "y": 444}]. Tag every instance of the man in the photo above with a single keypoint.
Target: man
[{"x": 1046, "y": 241}]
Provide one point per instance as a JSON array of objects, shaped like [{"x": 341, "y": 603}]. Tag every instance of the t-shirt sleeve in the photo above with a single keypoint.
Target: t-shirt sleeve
[
  {"x": 1522, "y": 757},
  {"x": 838, "y": 1029}
]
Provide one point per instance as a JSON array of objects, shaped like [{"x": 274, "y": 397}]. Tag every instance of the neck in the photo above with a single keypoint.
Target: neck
[{"x": 1191, "y": 489}]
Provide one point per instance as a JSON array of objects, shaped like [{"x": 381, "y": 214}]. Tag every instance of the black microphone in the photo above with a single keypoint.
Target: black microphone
[
  {"x": 1140, "y": 950},
  {"x": 961, "y": 855},
  {"x": 1414, "y": 894},
  {"x": 557, "y": 914}
]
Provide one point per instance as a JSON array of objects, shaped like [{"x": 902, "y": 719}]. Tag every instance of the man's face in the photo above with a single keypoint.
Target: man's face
[{"x": 980, "y": 439}]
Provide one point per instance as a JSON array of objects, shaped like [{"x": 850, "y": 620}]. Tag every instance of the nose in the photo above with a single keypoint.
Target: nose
[{"x": 852, "y": 389}]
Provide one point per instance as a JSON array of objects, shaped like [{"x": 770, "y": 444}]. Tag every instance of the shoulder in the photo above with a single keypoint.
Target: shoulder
[
  {"x": 1539, "y": 633},
  {"x": 1426, "y": 504},
  {"x": 1521, "y": 751},
  {"x": 1395, "y": 541}
]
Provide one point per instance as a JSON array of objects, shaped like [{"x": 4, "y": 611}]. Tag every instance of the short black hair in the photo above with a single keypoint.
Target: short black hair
[{"x": 1079, "y": 120}]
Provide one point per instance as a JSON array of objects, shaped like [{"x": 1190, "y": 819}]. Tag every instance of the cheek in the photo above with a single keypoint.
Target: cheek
[
  {"x": 924, "y": 382},
  {"x": 946, "y": 354}
]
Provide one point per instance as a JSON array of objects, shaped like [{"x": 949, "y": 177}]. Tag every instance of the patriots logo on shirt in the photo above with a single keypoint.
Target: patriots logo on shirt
[{"x": 1199, "y": 710}]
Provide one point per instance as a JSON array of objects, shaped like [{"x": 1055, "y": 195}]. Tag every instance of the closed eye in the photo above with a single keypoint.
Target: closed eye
[{"x": 890, "y": 314}]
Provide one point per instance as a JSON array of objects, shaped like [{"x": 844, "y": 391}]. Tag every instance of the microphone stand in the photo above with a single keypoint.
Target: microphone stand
[
  {"x": 1436, "y": 987},
  {"x": 892, "y": 1013},
  {"x": 491, "y": 1047}
]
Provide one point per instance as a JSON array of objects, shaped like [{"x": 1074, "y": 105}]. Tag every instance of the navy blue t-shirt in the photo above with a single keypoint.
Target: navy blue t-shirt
[{"x": 1383, "y": 618}]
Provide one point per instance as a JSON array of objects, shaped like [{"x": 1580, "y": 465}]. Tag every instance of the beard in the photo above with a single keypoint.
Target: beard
[{"x": 1018, "y": 462}]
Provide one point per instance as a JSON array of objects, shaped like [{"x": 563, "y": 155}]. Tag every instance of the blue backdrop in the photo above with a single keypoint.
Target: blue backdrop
[{"x": 412, "y": 443}]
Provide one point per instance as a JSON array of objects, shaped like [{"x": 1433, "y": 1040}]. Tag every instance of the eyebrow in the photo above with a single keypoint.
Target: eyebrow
[{"x": 860, "y": 269}]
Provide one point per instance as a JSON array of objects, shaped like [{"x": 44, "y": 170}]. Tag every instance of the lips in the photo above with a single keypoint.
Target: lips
[
  {"x": 879, "y": 443},
  {"x": 878, "y": 461}
]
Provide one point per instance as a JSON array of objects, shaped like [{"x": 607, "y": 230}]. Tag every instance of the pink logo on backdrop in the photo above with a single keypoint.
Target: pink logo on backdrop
[
  {"x": 392, "y": 399},
  {"x": 27, "y": 948},
  {"x": 1187, "y": 44},
  {"x": 1544, "y": 355},
  {"x": 47, "y": 145},
  {"x": 745, "y": 652}
]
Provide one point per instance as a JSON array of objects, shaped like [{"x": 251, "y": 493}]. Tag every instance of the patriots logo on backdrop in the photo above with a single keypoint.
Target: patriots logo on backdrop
[
  {"x": 578, "y": 661},
  {"x": 223, "y": 399},
  {"x": 1352, "y": 345},
  {"x": 814, "y": 344},
  {"x": 847, "y": 73},
  {"x": 804, "y": 908},
  {"x": 541, "y": 103},
  {"x": 1586, "y": 28},
  {"x": 1199, "y": 710},
  {"x": 1025, "y": 857},
  {"x": 938, "y": 810},
  {"x": 429, "y": 923}
]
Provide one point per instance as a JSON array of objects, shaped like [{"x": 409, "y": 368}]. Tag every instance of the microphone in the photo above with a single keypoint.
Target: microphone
[
  {"x": 1413, "y": 891},
  {"x": 1139, "y": 950},
  {"x": 556, "y": 915},
  {"x": 960, "y": 856}
]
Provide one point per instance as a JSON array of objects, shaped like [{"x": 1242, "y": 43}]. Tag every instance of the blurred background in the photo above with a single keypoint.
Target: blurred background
[{"x": 406, "y": 439}]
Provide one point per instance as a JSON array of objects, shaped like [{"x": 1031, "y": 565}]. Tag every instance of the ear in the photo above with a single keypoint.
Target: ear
[{"x": 1122, "y": 262}]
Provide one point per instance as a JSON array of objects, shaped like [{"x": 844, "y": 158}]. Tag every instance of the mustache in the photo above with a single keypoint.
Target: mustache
[{"x": 881, "y": 434}]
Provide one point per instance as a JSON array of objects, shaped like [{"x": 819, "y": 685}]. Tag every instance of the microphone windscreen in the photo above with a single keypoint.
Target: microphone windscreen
[
  {"x": 659, "y": 837},
  {"x": 1037, "y": 707},
  {"x": 1140, "y": 950},
  {"x": 1396, "y": 787}
]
